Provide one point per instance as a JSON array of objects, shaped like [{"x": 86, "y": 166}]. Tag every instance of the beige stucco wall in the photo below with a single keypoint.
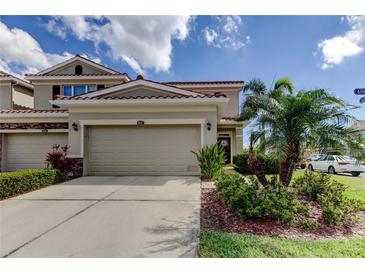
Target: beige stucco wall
[
  {"x": 23, "y": 96},
  {"x": 75, "y": 136},
  {"x": 42, "y": 95},
  {"x": 232, "y": 109},
  {"x": 6, "y": 96},
  {"x": 239, "y": 140}
]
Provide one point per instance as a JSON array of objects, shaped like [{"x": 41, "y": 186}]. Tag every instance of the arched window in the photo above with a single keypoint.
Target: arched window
[{"x": 78, "y": 70}]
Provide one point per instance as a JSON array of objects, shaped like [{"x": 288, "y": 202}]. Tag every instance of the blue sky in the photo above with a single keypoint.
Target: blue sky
[{"x": 313, "y": 51}]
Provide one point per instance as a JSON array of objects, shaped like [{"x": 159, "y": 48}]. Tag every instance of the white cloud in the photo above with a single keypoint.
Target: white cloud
[
  {"x": 52, "y": 26},
  {"x": 4, "y": 66},
  {"x": 226, "y": 32},
  {"x": 19, "y": 48},
  {"x": 143, "y": 42},
  {"x": 133, "y": 64},
  {"x": 336, "y": 49},
  {"x": 92, "y": 58},
  {"x": 232, "y": 24},
  {"x": 21, "y": 51},
  {"x": 210, "y": 35}
]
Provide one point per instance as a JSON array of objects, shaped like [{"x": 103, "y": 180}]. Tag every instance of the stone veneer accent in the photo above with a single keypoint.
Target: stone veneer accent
[
  {"x": 10, "y": 126},
  {"x": 1, "y": 150},
  {"x": 80, "y": 165}
]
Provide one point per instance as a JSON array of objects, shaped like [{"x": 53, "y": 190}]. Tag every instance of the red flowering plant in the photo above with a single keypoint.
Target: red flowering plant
[{"x": 58, "y": 159}]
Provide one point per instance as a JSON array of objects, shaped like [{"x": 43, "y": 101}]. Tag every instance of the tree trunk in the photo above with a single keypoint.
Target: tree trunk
[
  {"x": 255, "y": 166},
  {"x": 287, "y": 165}
]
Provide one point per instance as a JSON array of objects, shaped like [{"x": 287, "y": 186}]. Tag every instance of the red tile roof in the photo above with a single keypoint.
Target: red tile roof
[
  {"x": 76, "y": 75},
  {"x": 204, "y": 83},
  {"x": 235, "y": 118},
  {"x": 216, "y": 95},
  {"x": 6, "y": 74},
  {"x": 4, "y": 111}
]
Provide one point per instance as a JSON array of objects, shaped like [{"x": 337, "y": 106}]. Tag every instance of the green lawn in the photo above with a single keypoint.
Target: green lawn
[
  {"x": 231, "y": 245},
  {"x": 356, "y": 185}
]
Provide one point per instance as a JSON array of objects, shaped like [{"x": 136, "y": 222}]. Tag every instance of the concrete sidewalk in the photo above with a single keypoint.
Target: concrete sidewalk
[{"x": 130, "y": 216}]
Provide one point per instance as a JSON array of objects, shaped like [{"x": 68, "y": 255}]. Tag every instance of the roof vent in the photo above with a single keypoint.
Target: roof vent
[{"x": 139, "y": 77}]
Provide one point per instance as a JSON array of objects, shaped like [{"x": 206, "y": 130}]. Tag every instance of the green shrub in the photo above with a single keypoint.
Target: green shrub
[
  {"x": 336, "y": 208},
  {"x": 269, "y": 162},
  {"x": 312, "y": 184},
  {"x": 237, "y": 193},
  {"x": 277, "y": 202},
  {"x": 211, "y": 160},
  {"x": 247, "y": 200},
  {"x": 307, "y": 223},
  {"x": 17, "y": 182}
]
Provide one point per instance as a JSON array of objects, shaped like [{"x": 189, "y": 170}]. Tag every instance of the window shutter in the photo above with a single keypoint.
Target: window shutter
[
  {"x": 56, "y": 90},
  {"x": 100, "y": 87}
]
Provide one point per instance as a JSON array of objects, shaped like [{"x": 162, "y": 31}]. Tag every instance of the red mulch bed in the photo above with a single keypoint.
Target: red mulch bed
[{"x": 215, "y": 216}]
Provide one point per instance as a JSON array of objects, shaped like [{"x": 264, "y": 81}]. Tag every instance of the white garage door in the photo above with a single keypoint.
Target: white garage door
[
  {"x": 28, "y": 150},
  {"x": 145, "y": 150}
]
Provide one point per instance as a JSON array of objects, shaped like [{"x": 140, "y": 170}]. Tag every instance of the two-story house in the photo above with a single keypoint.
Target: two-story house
[
  {"x": 118, "y": 126},
  {"x": 15, "y": 92}
]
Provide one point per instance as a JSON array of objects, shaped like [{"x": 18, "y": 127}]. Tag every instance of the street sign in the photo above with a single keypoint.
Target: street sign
[
  {"x": 359, "y": 91},
  {"x": 362, "y": 100}
]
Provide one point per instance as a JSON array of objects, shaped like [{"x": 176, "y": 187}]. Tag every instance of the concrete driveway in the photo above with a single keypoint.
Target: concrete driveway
[{"x": 130, "y": 216}]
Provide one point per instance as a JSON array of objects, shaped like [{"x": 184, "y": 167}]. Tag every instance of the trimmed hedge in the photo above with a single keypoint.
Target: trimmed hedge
[
  {"x": 270, "y": 163},
  {"x": 18, "y": 182}
]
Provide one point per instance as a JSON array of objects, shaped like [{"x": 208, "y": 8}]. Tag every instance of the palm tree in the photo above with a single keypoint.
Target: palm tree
[{"x": 287, "y": 122}]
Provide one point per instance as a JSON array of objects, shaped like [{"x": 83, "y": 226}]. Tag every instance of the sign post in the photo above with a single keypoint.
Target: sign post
[{"x": 360, "y": 91}]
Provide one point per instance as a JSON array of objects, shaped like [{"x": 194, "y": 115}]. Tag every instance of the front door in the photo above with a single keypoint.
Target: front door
[{"x": 225, "y": 142}]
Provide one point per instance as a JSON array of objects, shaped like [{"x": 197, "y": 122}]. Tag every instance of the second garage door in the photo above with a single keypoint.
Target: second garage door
[
  {"x": 28, "y": 150},
  {"x": 145, "y": 150}
]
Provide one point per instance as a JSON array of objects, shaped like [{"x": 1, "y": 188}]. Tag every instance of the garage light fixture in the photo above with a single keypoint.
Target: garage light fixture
[
  {"x": 209, "y": 125},
  {"x": 75, "y": 126}
]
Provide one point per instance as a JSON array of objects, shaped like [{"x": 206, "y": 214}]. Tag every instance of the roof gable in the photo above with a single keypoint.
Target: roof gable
[
  {"x": 141, "y": 87},
  {"x": 140, "y": 91},
  {"x": 67, "y": 67},
  {"x": 5, "y": 76}
]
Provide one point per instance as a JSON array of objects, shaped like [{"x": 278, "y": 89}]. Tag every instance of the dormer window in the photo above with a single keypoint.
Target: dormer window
[
  {"x": 75, "y": 90},
  {"x": 78, "y": 70}
]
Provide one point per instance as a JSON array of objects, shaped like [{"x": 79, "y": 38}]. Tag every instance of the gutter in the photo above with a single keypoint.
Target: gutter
[
  {"x": 102, "y": 102},
  {"x": 34, "y": 115}
]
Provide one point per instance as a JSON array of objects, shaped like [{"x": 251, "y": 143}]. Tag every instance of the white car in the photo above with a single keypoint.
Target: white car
[{"x": 337, "y": 164}]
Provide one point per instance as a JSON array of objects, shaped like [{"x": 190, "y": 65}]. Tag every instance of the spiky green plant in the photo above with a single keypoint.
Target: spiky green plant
[{"x": 211, "y": 160}]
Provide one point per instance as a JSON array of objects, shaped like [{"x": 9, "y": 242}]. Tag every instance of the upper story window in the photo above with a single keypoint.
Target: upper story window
[
  {"x": 78, "y": 70},
  {"x": 77, "y": 89}
]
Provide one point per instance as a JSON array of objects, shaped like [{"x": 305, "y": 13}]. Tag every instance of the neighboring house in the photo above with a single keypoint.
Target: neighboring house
[
  {"x": 15, "y": 93},
  {"x": 118, "y": 126},
  {"x": 360, "y": 126}
]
